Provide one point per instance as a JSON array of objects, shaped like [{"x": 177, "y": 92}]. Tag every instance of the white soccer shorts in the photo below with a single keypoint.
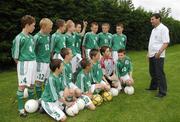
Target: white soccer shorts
[
  {"x": 26, "y": 73},
  {"x": 43, "y": 71},
  {"x": 54, "y": 109}
]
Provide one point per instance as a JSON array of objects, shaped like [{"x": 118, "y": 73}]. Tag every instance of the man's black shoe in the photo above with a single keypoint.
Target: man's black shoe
[
  {"x": 160, "y": 96},
  {"x": 149, "y": 89}
]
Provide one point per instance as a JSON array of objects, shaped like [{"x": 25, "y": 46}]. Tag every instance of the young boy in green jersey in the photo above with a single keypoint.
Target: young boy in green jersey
[
  {"x": 24, "y": 55},
  {"x": 84, "y": 82},
  {"x": 58, "y": 39},
  {"x": 108, "y": 67},
  {"x": 97, "y": 73},
  {"x": 124, "y": 68},
  {"x": 42, "y": 50},
  {"x": 67, "y": 55},
  {"x": 90, "y": 40},
  {"x": 104, "y": 37},
  {"x": 51, "y": 100},
  {"x": 119, "y": 41},
  {"x": 79, "y": 33},
  {"x": 70, "y": 43}
]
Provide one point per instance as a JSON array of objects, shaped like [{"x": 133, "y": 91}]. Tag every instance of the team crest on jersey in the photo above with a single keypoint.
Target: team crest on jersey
[
  {"x": 126, "y": 62},
  {"x": 123, "y": 39}
]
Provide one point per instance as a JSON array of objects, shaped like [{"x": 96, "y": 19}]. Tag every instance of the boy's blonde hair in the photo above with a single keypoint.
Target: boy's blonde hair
[
  {"x": 106, "y": 24},
  {"x": 45, "y": 22},
  {"x": 69, "y": 23}
]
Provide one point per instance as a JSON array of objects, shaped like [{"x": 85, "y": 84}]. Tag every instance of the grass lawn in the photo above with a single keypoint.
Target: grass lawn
[{"x": 140, "y": 107}]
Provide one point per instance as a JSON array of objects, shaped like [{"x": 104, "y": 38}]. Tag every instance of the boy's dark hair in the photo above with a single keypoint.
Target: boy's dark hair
[
  {"x": 85, "y": 62},
  {"x": 103, "y": 49},
  {"x": 64, "y": 52},
  {"x": 157, "y": 16},
  {"x": 55, "y": 63},
  {"x": 122, "y": 51},
  {"x": 93, "y": 53},
  {"x": 120, "y": 24},
  {"x": 94, "y": 23},
  {"x": 27, "y": 19},
  {"x": 60, "y": 23}
]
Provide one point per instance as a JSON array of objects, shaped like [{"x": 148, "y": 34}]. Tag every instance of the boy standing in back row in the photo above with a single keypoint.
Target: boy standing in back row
[
  {"x": 104, "y": 37},
  {"x": 90, "y": 40},
  {"x": 42, "y": 39},
  {"x": 24, "y": 55},
  {"x": 58, "y": 39},
  {"x": 119, "y": 41}
]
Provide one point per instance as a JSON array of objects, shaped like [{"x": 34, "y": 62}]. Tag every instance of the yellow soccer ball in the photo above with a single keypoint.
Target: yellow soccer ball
[
  {"x": 107, "y": 96},
  {"x": 97, "y": 99}
]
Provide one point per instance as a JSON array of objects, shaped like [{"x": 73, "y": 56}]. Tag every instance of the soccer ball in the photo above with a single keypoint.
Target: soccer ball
[
  {"x": 97, "y": 99},
  {"x": 31, "y": 106},
  {"x": 25, "y": 93},
  {"x": 107, "y": 96},
  {"x": 129, "y": 90},
  {"x": 72, "y": 110},
  {"x": 80, "y": 103},
  {"x": 114, "y": 91}
]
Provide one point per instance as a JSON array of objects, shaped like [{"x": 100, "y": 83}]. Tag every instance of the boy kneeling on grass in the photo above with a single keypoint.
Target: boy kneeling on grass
[
  {"x": 52, "y": 99},
  {"x": 96, "y": 72},
  {"x": 108, "y": 68},
  {"x": 124, "y": 68}
]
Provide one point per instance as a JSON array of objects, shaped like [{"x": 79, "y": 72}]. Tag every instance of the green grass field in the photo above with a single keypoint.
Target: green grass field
[{"x": 140, "y": 107}]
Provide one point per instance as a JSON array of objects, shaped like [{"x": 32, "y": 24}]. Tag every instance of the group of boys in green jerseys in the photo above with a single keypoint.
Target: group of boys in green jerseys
[{"x": 41, "y": 48}]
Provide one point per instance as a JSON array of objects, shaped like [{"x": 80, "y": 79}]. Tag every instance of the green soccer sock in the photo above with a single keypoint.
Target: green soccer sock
[
  {"x": 38, "y": 91},
  {"x": 30, "y": 93},
  {"x": 20, "y": 100}
]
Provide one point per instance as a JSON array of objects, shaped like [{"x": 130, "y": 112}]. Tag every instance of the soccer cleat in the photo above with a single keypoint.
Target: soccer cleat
[
  {"x": 22, "y": 114},
  {"x": 41, "y": 110}
]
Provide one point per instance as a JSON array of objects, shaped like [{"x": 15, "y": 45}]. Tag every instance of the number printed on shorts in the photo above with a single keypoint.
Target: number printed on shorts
[{"x": 41, "y": 76}]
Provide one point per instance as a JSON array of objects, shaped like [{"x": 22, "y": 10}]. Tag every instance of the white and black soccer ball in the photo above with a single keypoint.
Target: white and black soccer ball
[
  {"x": 31, "y": 106},
  {"x": 114, "y": 91},
  {"x": 72, "y": 110},
  {"x": 129, "y": 90},
  {"x": 80, "y": 103}
]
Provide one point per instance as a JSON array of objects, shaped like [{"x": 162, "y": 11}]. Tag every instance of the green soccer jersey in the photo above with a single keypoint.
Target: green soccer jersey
[
  {"x": 84, "y": 81},
  {"x": 78, "y": 41},
  {"x": 42, "y": 48},
  {"x": 68, "y": 72},
  {"x": 52, "y": 88},
  {"x": 23, "y": 48},
  {"x": 58, "y": 41},
  {"x": 123, "y": 66},
  {"x": 70, "y": 42},
  {"x": 118, "y": 42},
  {"x": 97, "y": 72},
  {"x": 90, "y": 40},
  {"x": 104, "y": 39},
  {"x": 62, "y": 78}
]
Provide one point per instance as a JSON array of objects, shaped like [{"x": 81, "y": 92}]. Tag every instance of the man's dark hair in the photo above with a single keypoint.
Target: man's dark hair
[{"x": 157, "y": 16}]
